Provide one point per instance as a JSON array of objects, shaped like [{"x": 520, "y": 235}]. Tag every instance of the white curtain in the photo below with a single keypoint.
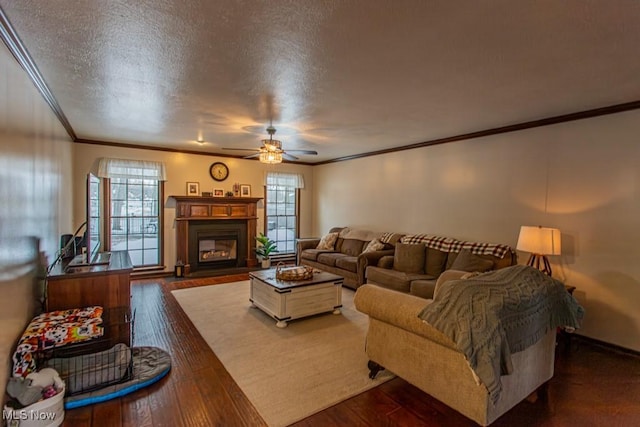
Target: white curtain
[
  {"x": 131, "y": 169},
  {"x": 295, "y": 180}
]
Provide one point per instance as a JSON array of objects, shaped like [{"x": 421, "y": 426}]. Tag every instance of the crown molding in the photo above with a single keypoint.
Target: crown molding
[
  {"x": 172, "y": 150},
  {"x": 587, "y": 114},
  {"x": 20, "y": 53}
]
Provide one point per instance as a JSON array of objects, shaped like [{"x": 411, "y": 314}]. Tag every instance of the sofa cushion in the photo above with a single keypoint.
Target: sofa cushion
[
  {"x": 312, "y": 254},
  {"x": 328, "y": 241},
  {"x": 392, "y": 279},
  {"x": 352, "y": 247},
  {"x": 467, "y": 261},
  {"x": 374, "y": 245},
  {"x": 435, "y": 262},
  {"x": 349, "y": 263},
  {"x": 409, "y": 258},
  {"x": 329, "y": 258}
]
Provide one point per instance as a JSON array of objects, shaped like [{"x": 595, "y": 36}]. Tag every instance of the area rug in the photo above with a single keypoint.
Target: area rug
[{"x": 287, "y": 374}]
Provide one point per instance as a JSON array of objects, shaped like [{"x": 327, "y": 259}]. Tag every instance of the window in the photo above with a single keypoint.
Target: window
[
  {"x": 134, "y": 216},
  {"x": 134, "y": 219},
  {"x": 281, "y": 207}
]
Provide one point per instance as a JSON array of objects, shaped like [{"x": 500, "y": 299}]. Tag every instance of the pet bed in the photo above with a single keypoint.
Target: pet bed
[{"x": 150, "y": 364}]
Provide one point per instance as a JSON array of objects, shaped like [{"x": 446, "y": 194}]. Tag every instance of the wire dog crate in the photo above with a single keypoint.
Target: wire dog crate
[{"x": 96, "y": 363}]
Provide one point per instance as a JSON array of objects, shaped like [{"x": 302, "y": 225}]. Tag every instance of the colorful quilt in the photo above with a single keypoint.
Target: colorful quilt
[{"x": 55, "y": 329}]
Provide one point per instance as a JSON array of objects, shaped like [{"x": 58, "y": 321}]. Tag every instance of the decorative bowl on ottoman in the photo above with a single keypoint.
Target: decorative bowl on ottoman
[{"x": 293, "y": 273}]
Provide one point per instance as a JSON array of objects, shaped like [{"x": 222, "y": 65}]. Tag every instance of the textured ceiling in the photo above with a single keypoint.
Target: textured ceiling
[{"x": 342, "y": 77}]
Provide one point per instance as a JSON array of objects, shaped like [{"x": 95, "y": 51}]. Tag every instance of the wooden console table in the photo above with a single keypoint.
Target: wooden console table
[{"x": 106, "y": 285}]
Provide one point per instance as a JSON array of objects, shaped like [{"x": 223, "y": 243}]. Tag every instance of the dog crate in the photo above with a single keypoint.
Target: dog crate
[{"x": 100, "y": 362}]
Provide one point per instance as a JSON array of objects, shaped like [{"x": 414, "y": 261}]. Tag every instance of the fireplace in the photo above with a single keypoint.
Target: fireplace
[
  {"x": 217, "y": 244},
  {"x": 215, "y": 232}
]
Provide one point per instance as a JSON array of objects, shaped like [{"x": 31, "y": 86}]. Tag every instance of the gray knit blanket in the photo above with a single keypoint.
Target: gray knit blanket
[{"x": 495, "y": 314}]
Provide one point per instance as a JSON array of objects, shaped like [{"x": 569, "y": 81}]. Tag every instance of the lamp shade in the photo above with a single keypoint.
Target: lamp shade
[{"x": 539, "y": 240}]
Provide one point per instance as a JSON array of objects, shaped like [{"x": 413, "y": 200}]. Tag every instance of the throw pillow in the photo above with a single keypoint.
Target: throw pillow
[
  {"x": 374, "y": 245},
  {"x": 468, "y": 261},
  {"x": 328, "y": 241},
  {"x": 436, "y": 262},
  {"x": 409, "y": 258},
  {"x": 386, "y": 237}
]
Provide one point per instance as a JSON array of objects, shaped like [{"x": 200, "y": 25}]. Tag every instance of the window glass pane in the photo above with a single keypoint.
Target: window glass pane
[
  {"x": 291, "y": 223},
  {"x": 136, "y": 257},
  {"x": 150, "y": 256}
]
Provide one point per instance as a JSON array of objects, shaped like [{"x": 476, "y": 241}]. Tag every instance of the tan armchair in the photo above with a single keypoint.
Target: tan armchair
[{"x": 401, "y": 342}]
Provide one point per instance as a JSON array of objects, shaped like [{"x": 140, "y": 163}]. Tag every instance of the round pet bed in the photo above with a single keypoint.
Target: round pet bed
[{"x": 150, "y": 364}]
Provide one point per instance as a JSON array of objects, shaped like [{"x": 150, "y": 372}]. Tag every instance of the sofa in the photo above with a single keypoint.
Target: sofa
[
  {"x": 433, "y": 359},
  {"x": 346, "y": 252},
  {"x": 419, "y": 259}
]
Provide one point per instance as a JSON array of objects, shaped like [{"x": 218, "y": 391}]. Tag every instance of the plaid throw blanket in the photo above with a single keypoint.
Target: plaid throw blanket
[
  {"x": 447, "y": 244},
  {"x": 498, "y": 313}
]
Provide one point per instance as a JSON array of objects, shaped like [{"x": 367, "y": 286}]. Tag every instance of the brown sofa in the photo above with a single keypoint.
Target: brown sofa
[
  {"x": 346, "y": 257},
  {"x": 419, "y": 259}
]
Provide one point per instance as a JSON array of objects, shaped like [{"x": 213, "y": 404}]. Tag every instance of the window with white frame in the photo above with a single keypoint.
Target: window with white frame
[
  {"x": 134, "y": 214},
  {"x": 282, "y": 209}
]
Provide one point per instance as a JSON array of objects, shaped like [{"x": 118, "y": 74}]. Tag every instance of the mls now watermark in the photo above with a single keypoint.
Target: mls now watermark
[{"x": 27, "y": 415}]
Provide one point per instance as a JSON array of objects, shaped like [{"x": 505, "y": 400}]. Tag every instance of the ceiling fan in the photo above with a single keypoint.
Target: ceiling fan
[{"x": 271, "y": 150}]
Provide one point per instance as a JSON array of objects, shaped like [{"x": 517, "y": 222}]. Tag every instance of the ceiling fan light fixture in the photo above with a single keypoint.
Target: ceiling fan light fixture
[
  {"x": 271, "y": 150},
  {"x": 270, "y": 157}
]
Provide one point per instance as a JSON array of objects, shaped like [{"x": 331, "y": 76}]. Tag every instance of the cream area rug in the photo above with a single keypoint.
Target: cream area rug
[{"x": 291, "y": 373}]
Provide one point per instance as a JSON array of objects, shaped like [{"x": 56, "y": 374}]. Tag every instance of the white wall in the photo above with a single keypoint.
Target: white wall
[
  {"x": 582, "y": 177},
  {"x": 35, "y": 198},
  {"x": 183, "y": 168}
]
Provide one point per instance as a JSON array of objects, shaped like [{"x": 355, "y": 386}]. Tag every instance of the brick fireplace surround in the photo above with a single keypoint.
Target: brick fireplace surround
[{"x": 195, "y": 213}]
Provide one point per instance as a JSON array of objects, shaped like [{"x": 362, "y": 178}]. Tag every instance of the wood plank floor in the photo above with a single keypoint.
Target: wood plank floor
[{"x": 592, "y": 386}]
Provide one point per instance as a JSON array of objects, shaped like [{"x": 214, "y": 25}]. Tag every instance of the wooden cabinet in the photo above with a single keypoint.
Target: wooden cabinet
[{"x": 106, "y": 285}]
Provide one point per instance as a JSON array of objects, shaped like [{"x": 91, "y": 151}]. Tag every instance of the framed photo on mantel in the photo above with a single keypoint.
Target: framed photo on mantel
[
  {"x": 245, "y": 190},
  {"x": 193, "y": 188}
]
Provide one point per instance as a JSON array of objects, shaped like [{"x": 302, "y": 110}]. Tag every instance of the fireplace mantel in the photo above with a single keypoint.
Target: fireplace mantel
[{"x": 192, "y": 210}]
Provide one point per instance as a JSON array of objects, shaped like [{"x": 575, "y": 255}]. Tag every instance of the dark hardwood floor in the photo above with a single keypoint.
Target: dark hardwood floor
[{"x": 592, "y": 386}]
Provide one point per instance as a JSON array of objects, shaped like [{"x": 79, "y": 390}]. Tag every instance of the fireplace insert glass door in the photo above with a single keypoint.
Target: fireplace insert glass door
[{"x": 212, "y": 250}]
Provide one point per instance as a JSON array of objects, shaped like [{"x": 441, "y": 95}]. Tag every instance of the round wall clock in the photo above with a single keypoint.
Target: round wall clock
[{"x": 219, "y": 171}]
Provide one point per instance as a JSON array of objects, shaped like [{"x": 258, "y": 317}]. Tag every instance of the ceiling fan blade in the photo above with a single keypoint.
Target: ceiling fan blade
[
  {"x": 252, "y": 156},
  {"x": 241, "y": 149},
  {"x": 287, "y": 156},
  {"x": 311, "y": 152}
]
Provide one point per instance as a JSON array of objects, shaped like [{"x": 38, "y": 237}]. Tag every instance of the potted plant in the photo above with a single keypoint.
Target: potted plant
[{"x": 265, "y": 248}]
